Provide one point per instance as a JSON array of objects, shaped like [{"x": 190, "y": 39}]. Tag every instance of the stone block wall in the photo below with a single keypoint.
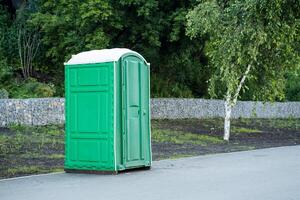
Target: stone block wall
[
  {"x": 205, "y": 108},
  {"x": 42, "y": 111}
]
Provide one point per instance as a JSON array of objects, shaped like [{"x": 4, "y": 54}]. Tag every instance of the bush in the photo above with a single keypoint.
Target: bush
[
  {"x": 166, "y": 88},
  {"x": 32, "y": 89},
  {"x": 292, "y": 92}
]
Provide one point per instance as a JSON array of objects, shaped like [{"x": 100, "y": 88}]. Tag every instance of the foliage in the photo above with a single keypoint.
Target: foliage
[
  {"x": 293, "y": 85},
  {"x": 5, "y": 70},
  {"x": 6, "y": 46},
  {"x": 242, "y": 33},
  {"x": 67, "y": 28},
  {"x": 248, "y": 40},
  {"x": 166, "y": 88},
  {"x": 156, "y": 29},
  {"x": 31, "y": 88},
  {"x": 149, "y": 27},
  {"x": 5, "y": 22}
]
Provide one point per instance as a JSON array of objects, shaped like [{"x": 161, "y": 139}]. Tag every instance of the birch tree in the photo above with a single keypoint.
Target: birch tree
[{"x": 253, "y": 41}]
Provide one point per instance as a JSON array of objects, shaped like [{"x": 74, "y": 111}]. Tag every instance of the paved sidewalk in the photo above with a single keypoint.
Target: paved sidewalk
[{"x": 268, "y": 174}]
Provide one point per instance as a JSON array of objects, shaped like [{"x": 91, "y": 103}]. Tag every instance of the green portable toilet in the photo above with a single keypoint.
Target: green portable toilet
[{"x": 107, "y": 111}]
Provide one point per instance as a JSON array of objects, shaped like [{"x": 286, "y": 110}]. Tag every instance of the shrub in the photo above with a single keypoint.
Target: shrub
[
  {"x": 292, "y": 86},
  {"x": 166, "y": 88},
  {"x": 31, "y": 88}
]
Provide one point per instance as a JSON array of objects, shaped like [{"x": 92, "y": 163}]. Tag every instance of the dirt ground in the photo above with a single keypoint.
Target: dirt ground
[
  {"x": 40, "y": 149},
  {"x": 246, "y": 134}
]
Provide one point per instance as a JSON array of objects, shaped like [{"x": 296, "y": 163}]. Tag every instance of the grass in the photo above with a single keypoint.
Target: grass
[
  {"x": 30, "y": 170},
  {"x": 31, "y": 150},
  {"x": 180, "y": 137},
  {"x": 29, "y": 155},
  {"x": 25, "y": 170},
  {"x": 289, "y": 123},
  {"x": 23, "y": 138},
  {"x": 11, "y": 145},
  {"x": 240, "y": 130},
  {"x": 238, "y": 125}
]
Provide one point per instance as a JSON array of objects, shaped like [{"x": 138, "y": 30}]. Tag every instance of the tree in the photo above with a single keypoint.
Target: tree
[
  {"x": 156, "y": 29},
  {"x": 249, "y": 42},
  {"x": 28, "y": 45},
  {"x": 28, "y": 40},
  {"x": 68, "y": 27}
]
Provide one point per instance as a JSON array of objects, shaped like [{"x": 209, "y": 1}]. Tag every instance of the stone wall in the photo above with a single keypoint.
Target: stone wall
[
  {"x": 51, "y": 110},
  {"x": 204, "y": 108},
  {"x": 32, "y": 111}
]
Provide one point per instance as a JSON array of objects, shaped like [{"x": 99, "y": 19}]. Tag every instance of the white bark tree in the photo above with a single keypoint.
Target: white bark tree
[
  {"x": 247, "y": 40},
  {"x": 230, "y": 102}
]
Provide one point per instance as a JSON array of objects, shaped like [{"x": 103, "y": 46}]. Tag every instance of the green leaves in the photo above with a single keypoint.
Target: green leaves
[
  {"x": 69, "y": 27},
  {"x": 203, "y": 19},
  {"x": 261, "y": 33},
  {"x": 210, "y": 45}
]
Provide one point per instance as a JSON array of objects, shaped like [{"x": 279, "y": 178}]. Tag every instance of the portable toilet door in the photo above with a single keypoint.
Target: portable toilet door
[
  {"x": 135, "y": 87},
  {"x": 107, "y": 111}
]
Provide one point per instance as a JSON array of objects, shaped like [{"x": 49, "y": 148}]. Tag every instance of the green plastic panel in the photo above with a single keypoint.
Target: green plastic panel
[{"x": 89, "y": 117}]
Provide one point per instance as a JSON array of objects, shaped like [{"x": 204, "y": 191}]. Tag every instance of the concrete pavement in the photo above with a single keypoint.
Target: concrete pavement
[{"x": 268, "y": 174}]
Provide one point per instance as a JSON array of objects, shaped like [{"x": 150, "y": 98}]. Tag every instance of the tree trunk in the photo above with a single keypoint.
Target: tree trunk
[
  {"x": 230, "y": 101},
  {"x": 28, "y": 44},
  {"x": 228, "y": 108}
]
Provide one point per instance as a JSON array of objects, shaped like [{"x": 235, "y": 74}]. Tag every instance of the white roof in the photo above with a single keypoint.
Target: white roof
[{"x": 99, "y": 56}]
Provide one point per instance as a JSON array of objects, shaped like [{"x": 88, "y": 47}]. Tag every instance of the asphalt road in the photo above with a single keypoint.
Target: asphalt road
[{"x": 268, "y": 174}]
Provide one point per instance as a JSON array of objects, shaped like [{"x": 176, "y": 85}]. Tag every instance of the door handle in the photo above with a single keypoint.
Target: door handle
[{"x": 143, "y": 112}]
